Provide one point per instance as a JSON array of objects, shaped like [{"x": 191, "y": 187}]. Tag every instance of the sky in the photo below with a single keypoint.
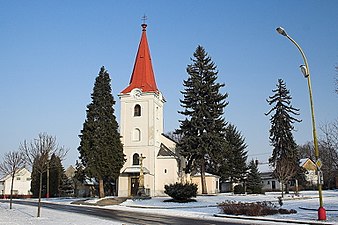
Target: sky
[{"x": 52, "y": 51}]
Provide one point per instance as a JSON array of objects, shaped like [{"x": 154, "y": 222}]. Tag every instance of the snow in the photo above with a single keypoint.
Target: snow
[
  {"x": 205, "y": 207},
  {"x": 24, "y": 215}
]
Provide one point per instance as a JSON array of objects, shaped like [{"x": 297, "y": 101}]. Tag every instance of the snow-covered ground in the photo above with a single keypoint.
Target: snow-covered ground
[{"x": 205, "y": 207}]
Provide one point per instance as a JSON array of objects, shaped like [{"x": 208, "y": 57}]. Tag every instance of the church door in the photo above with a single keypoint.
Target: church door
[{"x": 134, "y": 186}]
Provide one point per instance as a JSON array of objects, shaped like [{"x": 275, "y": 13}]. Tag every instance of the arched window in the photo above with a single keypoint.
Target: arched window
[
  {"x": 137, "y": 110},
  {"x": 136, "y": 160},
  {"x": 136, "y": 134}
]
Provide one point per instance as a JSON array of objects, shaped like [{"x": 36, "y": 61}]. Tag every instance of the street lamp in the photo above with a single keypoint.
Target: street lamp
[{"x": 306, "y": 72}]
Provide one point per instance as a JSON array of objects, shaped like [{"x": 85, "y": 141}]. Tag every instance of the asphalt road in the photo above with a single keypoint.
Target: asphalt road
[{"x": 125, "y": 216}]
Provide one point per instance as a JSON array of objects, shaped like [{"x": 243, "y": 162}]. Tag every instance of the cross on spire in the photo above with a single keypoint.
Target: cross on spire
[{"x": 144, "y": 18}]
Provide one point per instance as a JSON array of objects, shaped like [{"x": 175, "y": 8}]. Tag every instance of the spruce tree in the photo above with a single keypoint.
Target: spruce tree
[
  {"x": 282, "y": 120},
  {"x": 235, "y": 155},
  {"x": 56, "y": 172},
  {"x": 203, "y": 129},
  {"x": 254, "y": 181},
  {"x": 100, "y": 149},
  {"x": 35, "y": 182},
  {"x": 67, "y": 186}
]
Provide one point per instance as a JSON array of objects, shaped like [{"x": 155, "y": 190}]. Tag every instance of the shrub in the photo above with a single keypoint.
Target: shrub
[
  {"x": 238, "y": 189},
  {"x": 255, "y": 190},
  {"x": 252, "y": 209},
  {"x": 181, "y": 192}
]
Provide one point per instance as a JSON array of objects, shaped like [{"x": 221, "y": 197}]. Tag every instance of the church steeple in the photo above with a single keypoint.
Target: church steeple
[{"x": 143, "y": 75}]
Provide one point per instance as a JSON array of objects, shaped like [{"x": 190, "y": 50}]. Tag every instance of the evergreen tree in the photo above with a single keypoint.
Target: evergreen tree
[
  {"x": 56, "y": 172},
  {"x": 234, "y": 164},
  {"x": 79, "y": 177},
  {"x": 203, "y": 129},
  {"x": 35, "y": 182},
  {"x": 67, "y": 186},
  {"x": 281, "y": 138},
  {"x": 100, "y": 149},
  {"x": 254, "y": 181}
]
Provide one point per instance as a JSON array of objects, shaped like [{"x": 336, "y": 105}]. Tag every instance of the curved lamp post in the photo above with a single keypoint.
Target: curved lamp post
[{"x": 306, "y": 72}]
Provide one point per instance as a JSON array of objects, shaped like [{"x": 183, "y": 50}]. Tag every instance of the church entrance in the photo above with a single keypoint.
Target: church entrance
[{"x": 134, "y": 185}]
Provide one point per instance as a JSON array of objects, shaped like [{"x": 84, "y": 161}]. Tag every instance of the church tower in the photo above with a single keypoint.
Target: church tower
[{"x": 141, "y": 128}]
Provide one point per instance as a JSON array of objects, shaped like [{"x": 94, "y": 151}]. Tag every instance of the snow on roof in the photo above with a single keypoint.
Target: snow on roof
[
  {"x": 206, "y": 174},
  {"x": 264, "y": 168},
  {"x": 303, "y": 161}
]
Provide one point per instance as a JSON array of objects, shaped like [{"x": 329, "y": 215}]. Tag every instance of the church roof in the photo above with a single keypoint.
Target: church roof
[
  {"x": 165, "y": 151},
  {"x": 143, "y": 75}
]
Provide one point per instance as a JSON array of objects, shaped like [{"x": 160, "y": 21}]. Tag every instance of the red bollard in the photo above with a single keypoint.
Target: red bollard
[{"x": 321, "y": 213}]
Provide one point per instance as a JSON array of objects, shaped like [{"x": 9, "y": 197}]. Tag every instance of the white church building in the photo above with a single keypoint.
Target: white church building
[{"x": 141, "y": 128}]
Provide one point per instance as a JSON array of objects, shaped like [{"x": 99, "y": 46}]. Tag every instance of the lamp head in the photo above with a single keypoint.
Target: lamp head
[
  {"x": 281, "y": 31},
  {"x": 304, "y": 70}
]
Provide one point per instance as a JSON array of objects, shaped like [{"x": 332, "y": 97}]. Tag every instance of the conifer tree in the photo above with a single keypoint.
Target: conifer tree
[
  {"x": 100, "y": 149},
  {"x": 67, "y": 186},
  {"x": 35, "y": 182},
  {"x": 203, "y": 129},
  {"x": 235, "y": 155},
  {"x": 55, "y": 176},
  {"x": 282, "y": 120},
  {"x": 254, "y": 181}
]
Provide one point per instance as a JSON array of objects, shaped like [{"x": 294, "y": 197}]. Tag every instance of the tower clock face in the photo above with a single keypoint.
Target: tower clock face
[{"x": 136, "y": 93}]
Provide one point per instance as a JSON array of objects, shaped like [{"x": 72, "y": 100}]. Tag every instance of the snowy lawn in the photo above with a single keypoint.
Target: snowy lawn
[
  {"x": 24, "y": 215},
  {"x": 205, "y": 207}
]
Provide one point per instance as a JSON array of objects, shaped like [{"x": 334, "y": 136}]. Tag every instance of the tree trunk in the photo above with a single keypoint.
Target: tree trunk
[
  {"x": 11, "y": 195},
  {"x": 282, "y": 189},
  {"x": 287, "y": 187},
  {"x": 40, "y": 190},
  {"x": 47, "y": 194},
  {"x": 101, "y": 189},
  {"x": 203, "y": 182}
]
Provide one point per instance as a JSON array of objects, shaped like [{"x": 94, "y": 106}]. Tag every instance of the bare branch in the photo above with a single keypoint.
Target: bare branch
[
  {"x": 12, "y": 161},
  {"x": 38, "y": 151}
]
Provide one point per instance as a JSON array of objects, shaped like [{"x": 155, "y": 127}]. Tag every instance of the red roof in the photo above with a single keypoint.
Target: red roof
[{"x": 143, "y": 74}]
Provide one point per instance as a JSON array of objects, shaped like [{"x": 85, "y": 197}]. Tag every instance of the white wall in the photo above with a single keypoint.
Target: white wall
[{"x": 21, "y": 185}]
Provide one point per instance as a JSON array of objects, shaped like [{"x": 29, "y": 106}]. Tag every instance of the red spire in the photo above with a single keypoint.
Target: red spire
[{"x": 143, "y": 74}]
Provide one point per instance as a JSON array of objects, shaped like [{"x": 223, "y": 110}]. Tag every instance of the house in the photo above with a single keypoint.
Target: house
[
  {"x": 21, "y": 185},
  {"x": 211, "y": 180},
  {"x": 310, "y": 173},
  {"x": 269, "y": 183},
  {"x": 87, "y": 188},
  {"x": 148, "y": 151},
  {"x": 272, "y": 184}
]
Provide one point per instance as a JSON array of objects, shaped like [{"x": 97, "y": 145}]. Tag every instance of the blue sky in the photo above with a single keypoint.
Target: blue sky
[{"x": 51, "y": 52}]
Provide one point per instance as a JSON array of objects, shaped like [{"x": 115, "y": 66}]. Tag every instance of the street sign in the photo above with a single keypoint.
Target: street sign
[
  {"x": 320, "y": 177},
  {"x": 319, "y": 163}
]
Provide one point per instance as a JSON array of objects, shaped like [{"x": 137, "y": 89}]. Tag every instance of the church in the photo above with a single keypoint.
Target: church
[{"x": 148, "y": 152}]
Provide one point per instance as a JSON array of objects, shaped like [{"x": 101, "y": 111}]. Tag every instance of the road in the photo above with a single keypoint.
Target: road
[{"x": 125, "y": 216}]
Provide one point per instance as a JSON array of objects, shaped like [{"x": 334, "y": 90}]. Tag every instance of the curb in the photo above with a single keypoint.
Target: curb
[
  {"x": 273, "y": 220},
  {"x": 173, "y": 207},
  {"x": 311, "y": 209}
]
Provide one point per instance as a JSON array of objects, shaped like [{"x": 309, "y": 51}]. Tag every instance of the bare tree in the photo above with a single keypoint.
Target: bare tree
[
  {"x": 306, "y": 150},
  {"x": 285, "y": 170},
  {"x": 12, "y": 162},
  {"x": 37, "y": 154},
  {"x": 328, "y": 145}
]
